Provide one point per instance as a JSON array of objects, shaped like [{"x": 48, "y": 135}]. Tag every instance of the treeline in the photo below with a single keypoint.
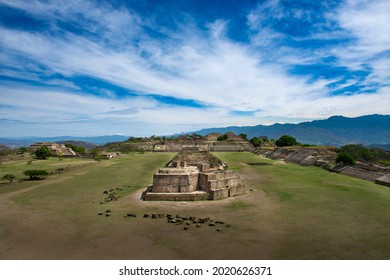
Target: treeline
[{"x": 350, "y": 154}]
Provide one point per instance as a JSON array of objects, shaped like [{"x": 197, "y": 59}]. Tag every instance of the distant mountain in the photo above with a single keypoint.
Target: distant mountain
[
  {"x": 85, "y": 145},
  {"x": 27, "y": 141},
  {"x": 336, "y": 130},
  {"x": 380, "y": 146}
]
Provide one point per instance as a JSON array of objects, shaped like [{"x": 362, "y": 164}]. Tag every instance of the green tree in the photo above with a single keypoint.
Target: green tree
[
  {"x": 360, "y": 153},
  {"x": 35, "y": 174},
  {"x": 222, "y": 138},
  {"x": 42, "y": 153},
  {"x": 286, "y": 140},
  {"x": 60, "y": 154},
  {"x": 77, "y": 149},
  {"x": 99, "y": 158},
  {"x": 345, "y": 159},
  {"x": 23, "y": 150},
  {"x": 9, "y": 177},
  {"x": 243, "y": 136},
  {"x": 256, "y": 142}
]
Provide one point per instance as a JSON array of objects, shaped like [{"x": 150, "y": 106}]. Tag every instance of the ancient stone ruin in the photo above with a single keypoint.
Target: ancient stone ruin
[
  {"x": 55, "y": 149},
  {"x": 194, "y": 175}
]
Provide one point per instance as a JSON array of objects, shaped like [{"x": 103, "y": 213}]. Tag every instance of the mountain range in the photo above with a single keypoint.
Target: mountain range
[
  {"x": 370, "y": 130},
  {"x": 336, "y": 130},
  {"x": 27, "y": 141}
]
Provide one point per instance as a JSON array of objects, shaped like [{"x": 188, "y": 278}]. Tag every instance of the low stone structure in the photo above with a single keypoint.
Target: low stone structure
[
  {"x": 201, "y": 177},
  {"x": 55, "y": 149},
  {"x": 325, "y": 157},
  {"x": 384, "y": 180},
  {"x": 110, "y": 155}
]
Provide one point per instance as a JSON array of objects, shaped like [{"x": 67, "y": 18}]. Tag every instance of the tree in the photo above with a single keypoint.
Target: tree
[
  {"x": 345, "y": 159},
  {"x": 42, "y": 153},
  {"x": 77, "y": 149},
  {"x": 35, "y": 174},
  {"x": 222, "y": 138},
  {"x": 23, "y": 150},
  {"x": 264, "y": 138},
  {"x": 359, "y": 152},
  {"x": 286, "y": 140},
  {"x": 60, "y": 154},
  {"x": 256, "y": 142},
  {"x": 243, "y": 136},
  {"x": 99, "y": 158},
  {"x": 9, "y": 177}
]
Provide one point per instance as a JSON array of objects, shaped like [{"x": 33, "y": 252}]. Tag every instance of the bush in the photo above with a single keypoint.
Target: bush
[
  {"x": 286, "y": 140},
  {"x": 256, "y": 142},
  {"x": 345, "y": 159},
  {"x": 77, "y": 149},
  {"x": 35, "y": 174},
  {"x": 99, "y": 158},
  {"x": 23, "y": 150},
  {"x": 9, "y": 177},
  {"x": 42, "y": 153},
  {"x": 360, "y": 153},
  {"x": 223, "y": 137}
]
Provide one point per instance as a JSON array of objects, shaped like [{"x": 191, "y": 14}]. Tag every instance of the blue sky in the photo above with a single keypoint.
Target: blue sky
[{"x": 142, "y": 68}]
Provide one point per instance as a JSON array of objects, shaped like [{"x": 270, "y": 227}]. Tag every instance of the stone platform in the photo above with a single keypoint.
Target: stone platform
[{"x": 203, "y": 177}]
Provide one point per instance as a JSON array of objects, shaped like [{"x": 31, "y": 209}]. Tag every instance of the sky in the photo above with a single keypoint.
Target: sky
[{"x": 142, "y": 68}]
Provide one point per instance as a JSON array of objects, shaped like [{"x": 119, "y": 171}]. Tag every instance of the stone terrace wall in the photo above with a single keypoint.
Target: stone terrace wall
[
  {"x": 221, "y": 148},
  {"x": 228, "y": 192},
  {"x": 361, "y": 173},
  {"x": 195, "y": 196},
  {"x": 325, "y": 158},
  {"x": 175, "y": 182}
]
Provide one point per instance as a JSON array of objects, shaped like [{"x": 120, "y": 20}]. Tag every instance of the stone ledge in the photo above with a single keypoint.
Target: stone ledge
[{"x": 193, "y": 196}]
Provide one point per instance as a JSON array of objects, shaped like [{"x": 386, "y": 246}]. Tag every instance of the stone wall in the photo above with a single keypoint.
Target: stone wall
[
  {"x": 237, "y": 190},
  {"x": 383, "y": 180},
  {"x": 361, "y": 173},
  {"x": 325, "y": 158},
  {"x": 195, "y": 196},
  {"x": 177, "y": 180},
  {"x": 225, "y": 148},
  {"x": 219, "y": 194},
  {"x": 227, "y": 192},
  {"x": 213, "y": 146}
]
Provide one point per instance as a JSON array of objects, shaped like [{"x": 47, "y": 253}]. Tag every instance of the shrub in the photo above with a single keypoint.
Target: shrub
[
  {"x": 77, "y": 149},
  {"x": 9, "y": 177},
  {"x": 286, "y": 140},
  {"x": 256, "y": 142},
  {"x": 361, "y": 153},
  {"x": 42, "y": 153},
  {"x": 243, "y": 136},
  {"x": 345, "y": 159},
  {"x": 35, "y": 174},
  {"x": 23, "y": 150},
  {"x": 223, "y": 137},
  {"x": 99, "y": 158}
]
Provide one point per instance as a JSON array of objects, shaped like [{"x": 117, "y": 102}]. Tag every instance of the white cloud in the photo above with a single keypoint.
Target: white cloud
[
  {"x": 368, "y": 25},
  {"x": 206, "y": 67},
  {"x": 368, "y": 21}
]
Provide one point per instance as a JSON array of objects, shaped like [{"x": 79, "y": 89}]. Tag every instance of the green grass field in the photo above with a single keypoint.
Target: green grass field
[{"x": 289, "y": 212}]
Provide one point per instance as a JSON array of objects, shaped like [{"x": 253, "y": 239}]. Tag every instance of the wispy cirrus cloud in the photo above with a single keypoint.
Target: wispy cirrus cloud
[{"x": 185, "y": 76}]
